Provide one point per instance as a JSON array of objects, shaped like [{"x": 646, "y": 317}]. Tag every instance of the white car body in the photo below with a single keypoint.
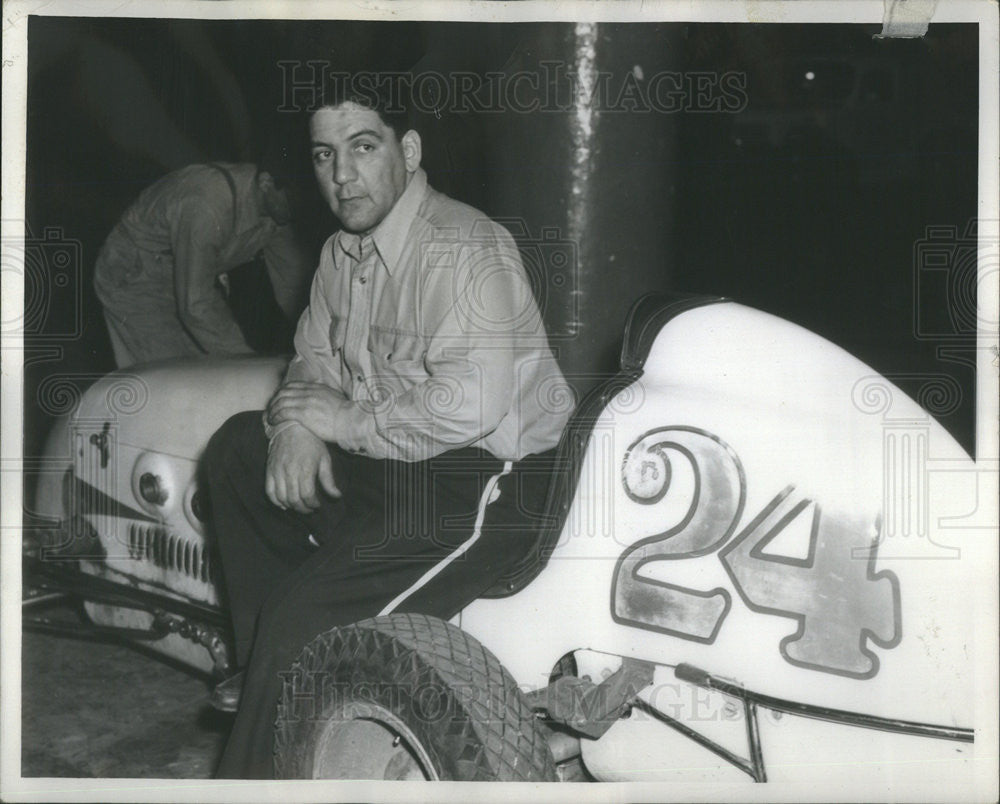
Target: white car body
[
  {"x": 756, "y": 504},
  {"x": 796, "y": 412}
]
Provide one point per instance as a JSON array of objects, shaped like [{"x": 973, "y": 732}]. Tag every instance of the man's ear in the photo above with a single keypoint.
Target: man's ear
[{"x": 411, "y": 150}]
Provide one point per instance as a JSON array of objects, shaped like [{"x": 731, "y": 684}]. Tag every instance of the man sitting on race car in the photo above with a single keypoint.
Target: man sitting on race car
[{"x": 388, "y": 473}]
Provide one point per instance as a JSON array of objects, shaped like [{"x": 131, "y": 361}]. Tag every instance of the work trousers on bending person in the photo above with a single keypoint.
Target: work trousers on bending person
[
  {"x": 426, "y": 537},
  {"x": 136, "y": 289}
]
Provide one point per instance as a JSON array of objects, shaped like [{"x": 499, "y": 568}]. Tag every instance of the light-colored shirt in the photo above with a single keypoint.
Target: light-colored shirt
[
  {"x": 430, "y": 328},
  {"x": 205, "y": 227}
]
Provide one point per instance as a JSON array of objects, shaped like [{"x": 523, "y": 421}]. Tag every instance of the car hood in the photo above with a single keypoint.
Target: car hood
[{"x": 175, "y": 406}]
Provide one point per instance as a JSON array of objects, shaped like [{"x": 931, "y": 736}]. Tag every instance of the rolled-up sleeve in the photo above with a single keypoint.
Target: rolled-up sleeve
[
  {"x": 196, "y": 241},
  {"x": 288, "y": 268}
]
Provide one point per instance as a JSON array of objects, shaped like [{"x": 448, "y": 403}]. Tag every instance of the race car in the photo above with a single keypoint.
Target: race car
[{"x": 756, "y": 562}]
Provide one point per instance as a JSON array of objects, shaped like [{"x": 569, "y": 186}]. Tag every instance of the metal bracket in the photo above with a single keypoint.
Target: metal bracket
[
  {"x": 199, "y": 634},
  {"x": 591, "y": 709},
  {"x": 100, "y": 440}
]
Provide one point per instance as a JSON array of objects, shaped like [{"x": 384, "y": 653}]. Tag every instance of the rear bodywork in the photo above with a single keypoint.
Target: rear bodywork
[{"x": 770, "y": 548}]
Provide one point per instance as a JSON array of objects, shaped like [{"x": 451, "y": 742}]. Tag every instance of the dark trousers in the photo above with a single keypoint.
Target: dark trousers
[{"x": 402, "y": 538}]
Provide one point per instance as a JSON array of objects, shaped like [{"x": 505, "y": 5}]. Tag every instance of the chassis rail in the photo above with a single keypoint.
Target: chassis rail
[
  {"x": 53, "y": 580},
  {"x": 62, "y": 577},
  {"x": 754, "y": 765}
]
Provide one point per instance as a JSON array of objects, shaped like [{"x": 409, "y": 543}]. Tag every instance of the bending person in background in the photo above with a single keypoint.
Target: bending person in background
[{"x": 159, "y": 275}]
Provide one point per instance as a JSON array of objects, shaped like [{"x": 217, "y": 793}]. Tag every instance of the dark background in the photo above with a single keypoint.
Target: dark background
[{"x": 811, "y": 203}]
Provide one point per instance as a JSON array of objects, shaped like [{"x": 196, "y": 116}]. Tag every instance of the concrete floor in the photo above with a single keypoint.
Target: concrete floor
[{"x": 92, "y": 709}]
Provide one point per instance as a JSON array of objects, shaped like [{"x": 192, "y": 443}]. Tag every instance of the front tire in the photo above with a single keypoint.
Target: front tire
[{"x": 406, "y": 696}]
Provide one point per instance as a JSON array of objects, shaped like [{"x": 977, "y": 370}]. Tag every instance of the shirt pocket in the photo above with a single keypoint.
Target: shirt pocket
[{"x": 398, "y": 356}]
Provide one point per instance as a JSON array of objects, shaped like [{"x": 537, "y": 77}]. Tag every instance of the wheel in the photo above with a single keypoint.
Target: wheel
[{"x": 405, "y": 696}]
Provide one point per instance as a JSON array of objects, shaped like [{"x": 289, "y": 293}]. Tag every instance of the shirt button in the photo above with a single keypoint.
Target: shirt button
[
  {"x": 363, "y": 278},
  {"x": 361, "y": 378}
]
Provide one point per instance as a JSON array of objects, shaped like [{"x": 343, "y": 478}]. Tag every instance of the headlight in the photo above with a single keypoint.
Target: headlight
[
  {"x": 199, "y": 505},
  {"x": 157, "y": 481},
  {"x": 151, "y": 489},
  {"x": 196, "y": 506}
]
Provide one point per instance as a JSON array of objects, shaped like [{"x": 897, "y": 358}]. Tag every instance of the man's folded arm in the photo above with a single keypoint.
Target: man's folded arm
[
  {"x": 463, "y": 400},
  {"x": 314, "y": 359}
]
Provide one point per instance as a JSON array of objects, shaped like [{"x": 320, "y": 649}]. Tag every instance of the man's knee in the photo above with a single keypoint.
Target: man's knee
[{"x": 240, "y": 440}]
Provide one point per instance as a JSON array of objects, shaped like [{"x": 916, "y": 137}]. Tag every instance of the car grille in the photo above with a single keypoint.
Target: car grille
[{"x": 169, "y": 551}]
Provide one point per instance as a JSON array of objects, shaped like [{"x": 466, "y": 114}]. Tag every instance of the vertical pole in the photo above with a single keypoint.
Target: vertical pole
[{"x": 591, "y": 176}]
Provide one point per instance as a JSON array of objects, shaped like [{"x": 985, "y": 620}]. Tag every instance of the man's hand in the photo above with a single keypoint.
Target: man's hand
[
  {"x": 313, "y": 405},
  {"x": 295, "y": 461}
]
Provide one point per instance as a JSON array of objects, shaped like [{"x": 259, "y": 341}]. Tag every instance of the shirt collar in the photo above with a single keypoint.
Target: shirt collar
[{"x": 390, "y": 235}]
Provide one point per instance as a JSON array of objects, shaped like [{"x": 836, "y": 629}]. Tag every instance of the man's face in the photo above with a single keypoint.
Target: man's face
[{"x": 361, "y": 166}]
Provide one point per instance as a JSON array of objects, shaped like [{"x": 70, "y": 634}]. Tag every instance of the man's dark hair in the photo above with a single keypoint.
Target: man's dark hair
[{"x": 389, "y": 99}]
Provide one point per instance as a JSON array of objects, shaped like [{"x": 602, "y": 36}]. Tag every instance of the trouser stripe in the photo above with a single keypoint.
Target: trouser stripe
[{"x": 428, "y": 576}]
